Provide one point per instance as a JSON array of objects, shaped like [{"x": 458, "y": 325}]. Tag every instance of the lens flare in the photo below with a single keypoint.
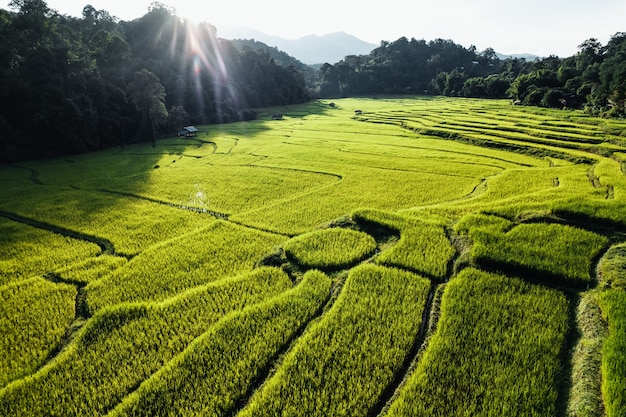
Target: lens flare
[{"x": 208, "y": 70}]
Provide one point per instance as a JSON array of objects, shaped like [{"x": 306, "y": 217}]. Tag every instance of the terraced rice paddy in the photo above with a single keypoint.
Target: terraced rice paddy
[{"x": 426, "y": 257}]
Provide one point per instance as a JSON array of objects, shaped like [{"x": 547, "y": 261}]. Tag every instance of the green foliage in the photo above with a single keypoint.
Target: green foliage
[
  {"x": 148, "y": 94},
  {"x": 220, "y": 250},
  {"x": 496, "y": 351},
  {"x": 28, "y": 251},
  {"x": 332, "y": 248},
  {"x": 585, "y": 396},
  {"x": 489, "y": 223},
  {"x": 82, "y": 84},
  {"x": 613, "y": 304},
  {"x": 218, "y": 368},
  {"x": 344, "y": 362},
  {"x": 91, "y": 269},
  {"x": 423, "y": 247},
  {"x": 557, "y": 252},
  {"x": 612, "y": 268},
  {"x": 34, "y": 315},
  {"x": 401, "y": 66},
  {"x": 122, "y": 346},
  {"x": 408, "y": 169},
  {"x": 130, "y": 224}
]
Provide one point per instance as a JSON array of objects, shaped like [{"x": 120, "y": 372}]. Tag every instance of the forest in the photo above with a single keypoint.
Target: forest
[
  {"x": 70, "y": 85},
  {"x": 593, "y": 79}
]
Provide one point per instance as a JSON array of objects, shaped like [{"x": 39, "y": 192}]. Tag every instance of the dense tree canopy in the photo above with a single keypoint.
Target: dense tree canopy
[
  {"x": 76, "y": 84},
  {"x": 594, "y": 78}
]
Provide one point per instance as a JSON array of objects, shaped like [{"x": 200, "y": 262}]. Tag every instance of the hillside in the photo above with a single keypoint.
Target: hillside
[
  {"x": 80, "y": 84},
  {"x": 390, "y": 256},
  {"x": 312, "y": 49}
]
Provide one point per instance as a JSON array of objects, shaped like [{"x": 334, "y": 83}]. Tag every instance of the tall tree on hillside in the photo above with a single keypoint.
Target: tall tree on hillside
[
  {"x": 613, "y": 74},
  {"x": 146, "y": 91}
]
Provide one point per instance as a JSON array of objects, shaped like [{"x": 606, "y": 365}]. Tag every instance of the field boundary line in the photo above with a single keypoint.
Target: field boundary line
[
  {"x": 81, "y": 315},
  {"x": 105, "y": 245},
  {"x": 34, "y": 174},
  {"x": 274, "y": 363},
  {"x": 215, "y": 214},
  {"x": 430, "y": 319},
  {"x": 276, "y": 203},
  {"x": 339, "y": 177},
  {"x": 417, "y": 147}
]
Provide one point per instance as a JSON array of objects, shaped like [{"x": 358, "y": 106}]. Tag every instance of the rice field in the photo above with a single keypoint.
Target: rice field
[
  {"x": 427, "y": 256},
  {"x": 496, "y": 351},
  {"x": 333, "y": 248}
]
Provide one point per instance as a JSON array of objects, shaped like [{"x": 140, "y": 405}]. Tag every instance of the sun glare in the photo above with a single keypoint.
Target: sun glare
[{"x": 207, "y": 71}]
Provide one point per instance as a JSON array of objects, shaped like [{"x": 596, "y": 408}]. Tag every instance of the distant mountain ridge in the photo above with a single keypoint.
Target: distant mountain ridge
[
  {"x": 311, "y": 50},
  {"x": 527, "y": 57}
]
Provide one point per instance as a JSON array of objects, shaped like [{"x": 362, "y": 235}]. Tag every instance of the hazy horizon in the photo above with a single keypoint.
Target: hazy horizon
[{"x": 541, "y": 28}]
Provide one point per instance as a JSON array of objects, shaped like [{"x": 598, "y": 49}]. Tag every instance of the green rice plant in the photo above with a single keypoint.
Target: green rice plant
[
  {"x": 559, "y": 253},
  {"x": 344, "y": 362},
  {"x": 612, "y": 268},
  {"x": 481, "y": 221},
  {"x": 223, "y": 187},
  {"x": 595, "y": 209},
  {"x": 417, "y": 165},
  {"x": 219, "y": 368},
  {"x": 496, "y": 351},
  {"x": 333, "y": 248},
  {"x": 585, "y": 394},
  {"x": 384, "y": 189},
  {"x": 91, "y": 269},
  {"x": 613, "y": 305},
  {"x": 515, "y": 191},
  {"x": 15, "y": 177},
  {"x": 131, "y": 224},
  {"x": 532, "y": 186},
  {"x": 423, "y": 246},
  {"x": 34, "y": 316},
  {"x": 120, "y": 347},
  {"x": 27, "y": 251},
  {"x": 217, "y": 251}
]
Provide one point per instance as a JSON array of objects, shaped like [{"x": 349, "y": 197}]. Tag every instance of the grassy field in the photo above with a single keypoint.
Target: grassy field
[{"x": 428, "y": 256}]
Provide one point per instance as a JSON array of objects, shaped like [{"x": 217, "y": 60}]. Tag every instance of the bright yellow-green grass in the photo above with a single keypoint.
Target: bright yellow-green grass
[
  {"x": 28, "y": 251},
  {"x": 34, "y": 315},
  {"x": 218, "y": 369},
  {"x": 429, "y": 177},
  {"x": 471, "y": 223},
  {"x": 585, "y": 395},
  {"x": 122, "y": 346},
  {"x": 344, "y": 362},
  {"x": 330, "y": 248},
  {"x": 496, "y": 351},
  {"x": 423, "y": 247},
  {"x": 131, "y": 224},
  {"x": 91, "y": 269},
  {"x": 612, "y": 268},
  {"x": 613, "y": 303},
  {"x": 209, "y": 254},
  {"x": 560, "y": 252}
]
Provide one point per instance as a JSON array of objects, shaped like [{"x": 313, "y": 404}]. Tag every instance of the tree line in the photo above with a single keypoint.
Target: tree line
[
  {"x": 71, "y": 85},
  {"x": 594, "y": 78}
]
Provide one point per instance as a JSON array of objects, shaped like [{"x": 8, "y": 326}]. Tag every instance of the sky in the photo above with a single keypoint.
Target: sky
[{"x": 539, "y": 27}]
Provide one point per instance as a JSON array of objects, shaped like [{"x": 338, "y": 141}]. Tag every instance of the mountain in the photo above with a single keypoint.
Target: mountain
[
  {"x": 527, "y": 57},
  {"x": 280, "y": 57},
  {"x": 312, "y": 49}
]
